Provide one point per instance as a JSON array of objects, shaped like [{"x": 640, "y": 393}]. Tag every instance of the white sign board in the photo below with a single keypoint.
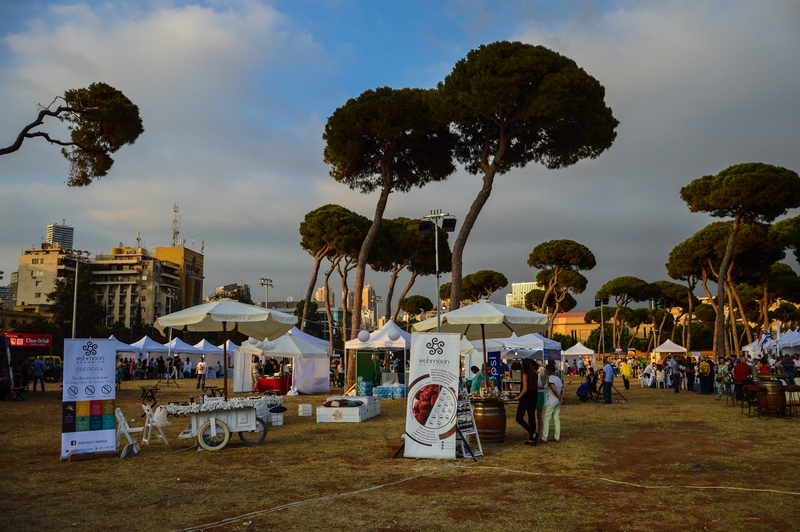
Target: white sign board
[
  {"x": 88, "y": 423},
  {"x": 432, "y": 396}
]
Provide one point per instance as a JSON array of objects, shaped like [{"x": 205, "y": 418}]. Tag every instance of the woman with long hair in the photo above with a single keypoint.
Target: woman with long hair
[{"x": 527, "y": 398}]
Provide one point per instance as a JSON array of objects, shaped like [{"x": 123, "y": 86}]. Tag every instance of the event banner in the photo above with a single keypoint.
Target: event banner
[
  {"x": 88, "y": 423},
  {"x": 494, "y": 366},
  {"x": 432, "y": 396}
]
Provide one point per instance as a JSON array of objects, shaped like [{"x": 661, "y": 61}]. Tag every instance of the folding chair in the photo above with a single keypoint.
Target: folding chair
[
  {"x": 661, "y": 379},
  {"x": 644, "y": 381},
  {"x": 152, "y": 425},
  {"x": 124, "y": 428}
]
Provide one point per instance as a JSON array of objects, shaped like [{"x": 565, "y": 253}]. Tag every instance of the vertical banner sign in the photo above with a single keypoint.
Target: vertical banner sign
[
  {"x": 494, "y": 366},
  {"x": 432, "y": 396},
  {"x": 88, "y": 423}
]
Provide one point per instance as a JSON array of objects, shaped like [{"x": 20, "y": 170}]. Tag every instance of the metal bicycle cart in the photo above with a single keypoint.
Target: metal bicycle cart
[{"x": 214, "y": 422}]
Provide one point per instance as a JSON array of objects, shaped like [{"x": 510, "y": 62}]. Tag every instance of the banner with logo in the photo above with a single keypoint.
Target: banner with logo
[
  {"x": 88, "y": 423},
  {"x": 432, "y": 396},
  {"x": 493, "y": 357}
]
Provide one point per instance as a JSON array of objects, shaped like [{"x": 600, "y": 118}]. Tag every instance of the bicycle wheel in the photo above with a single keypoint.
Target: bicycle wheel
[
  {"x": 254, "y": 437},
  {"x": 212, "y": 443}
]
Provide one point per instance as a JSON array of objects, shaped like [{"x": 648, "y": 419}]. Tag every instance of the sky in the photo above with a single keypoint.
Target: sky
[{"x": 234, "y": 96}]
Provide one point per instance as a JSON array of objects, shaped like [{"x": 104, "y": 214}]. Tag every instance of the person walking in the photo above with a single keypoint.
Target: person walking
[
  {"x": 37, "y": 372},
  {"x": 552, "y": 405},
  {"x": 201, "y": 372},
  {"x": 626, "y": 371},
  {"x": 527, "y": 398},
  {"x": 608, "y": 381}
]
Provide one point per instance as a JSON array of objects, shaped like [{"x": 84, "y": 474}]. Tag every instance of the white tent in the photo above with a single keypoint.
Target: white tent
[
  {"x": 574, "y": 353},
  {"x": 122, "y": 347},
  {"x": 179, "y": 347},
  {"x": 669, "y": 347},
  {"x": 380, "y": 339},
  {"x": 147, "y": 345},
  {"x": 208, "y": 348}
]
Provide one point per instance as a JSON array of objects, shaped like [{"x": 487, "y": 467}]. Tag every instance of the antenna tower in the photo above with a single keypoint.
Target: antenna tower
[{"x": 176, "y": 225}]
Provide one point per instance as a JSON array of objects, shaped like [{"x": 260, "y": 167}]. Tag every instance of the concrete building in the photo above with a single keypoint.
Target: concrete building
[
  {"x": 319, "y": 296},
  {"x": 190, "y": 292},
  {"x": 37, "y": 273},
  {"x": 516, "y": 298},
  {"x": 135, "y": 286},
  {"x": 228, "y": 290},
  {"x": 60, "y": 234}
]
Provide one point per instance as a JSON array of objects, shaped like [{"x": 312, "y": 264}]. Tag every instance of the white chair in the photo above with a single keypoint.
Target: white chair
[
  {"x": 644, "y": 382},
  {"x": 124, "y": 429},
  {"x": 154, "y": 422},
  {"x": 661, "y": 379}
]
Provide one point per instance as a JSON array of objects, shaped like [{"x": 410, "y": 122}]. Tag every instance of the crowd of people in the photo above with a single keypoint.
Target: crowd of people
[{"x": 160, "y": 367}]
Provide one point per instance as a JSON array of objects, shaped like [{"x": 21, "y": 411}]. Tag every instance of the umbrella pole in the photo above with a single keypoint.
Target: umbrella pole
[
  {"x": 485, "y": 358},
  {"x": 225, "y": 359}
]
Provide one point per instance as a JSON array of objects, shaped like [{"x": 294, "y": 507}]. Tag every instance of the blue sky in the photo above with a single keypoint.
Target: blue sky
[{"x": 235, "y": 96}]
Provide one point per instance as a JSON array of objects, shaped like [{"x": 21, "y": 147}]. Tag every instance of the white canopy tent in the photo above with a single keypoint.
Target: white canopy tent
[
  {"x": 669, "y": 347},
  {"x": 122, "y": 347},
  {"x": 382, "y": 339},
  {"x": 147, "y": 345},
  {"x": 311, "y": 375},
  {"x": 577, "y": 351}
]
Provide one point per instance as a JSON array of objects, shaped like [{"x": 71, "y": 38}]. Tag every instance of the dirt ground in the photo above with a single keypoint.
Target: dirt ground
[{"x": 659, "y": 462}]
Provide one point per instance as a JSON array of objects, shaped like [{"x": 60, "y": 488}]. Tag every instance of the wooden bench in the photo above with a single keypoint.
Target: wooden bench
[{"x": 17, "y": 393}]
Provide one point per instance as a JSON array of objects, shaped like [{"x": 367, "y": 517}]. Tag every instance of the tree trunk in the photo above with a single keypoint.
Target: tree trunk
[
  {"x": 317, "y": 259},
  {"x": 463, "y": 234},
  {"x": 361, "y": 271},
  {"x": 740, "y": 306},
  {"x": 392, "y": 282},
  {"x": 328, "y": 313},
  {"x": 691, "y": 286},
  {"x": 403, "y": 295},
  {"x": 719, "y": 324},
  {"x": 732, "y": 320}
]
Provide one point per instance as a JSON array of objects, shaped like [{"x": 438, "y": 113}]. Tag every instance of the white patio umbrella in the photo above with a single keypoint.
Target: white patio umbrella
[
  {"x": 486, "y": 320},
  {"x": 218, "y": 315}
]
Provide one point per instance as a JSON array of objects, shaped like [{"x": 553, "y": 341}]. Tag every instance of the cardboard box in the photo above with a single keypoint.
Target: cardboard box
[
  {"x": 348, "y": 414},
  {"x": 394, "y": 448}
]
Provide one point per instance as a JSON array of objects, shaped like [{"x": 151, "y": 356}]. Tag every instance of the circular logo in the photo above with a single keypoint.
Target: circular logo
[
  {"x": 435, "y": 347},
  {"x": 106, "y": 389},
  {"x": 72, "y": 390},
  {"x": 90, "y": 348},
  {"x": 90, "y": 390}
]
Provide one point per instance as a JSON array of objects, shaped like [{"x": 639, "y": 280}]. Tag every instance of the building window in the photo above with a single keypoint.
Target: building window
[
  {"x": 38, "y": 283},
  {"x": 37, "y": 295},
  {"x": 37, "y": 273}
]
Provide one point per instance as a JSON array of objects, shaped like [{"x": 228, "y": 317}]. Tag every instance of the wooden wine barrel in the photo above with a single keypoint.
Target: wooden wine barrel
[
  {"x": 490, "y": 420},
  {"x": 772, "y": 402}
]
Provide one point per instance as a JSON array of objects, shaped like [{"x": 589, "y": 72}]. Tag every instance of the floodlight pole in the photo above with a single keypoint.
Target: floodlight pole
[
  {"x": 267, "y": 284},
  {"x": 77, "y": 255},
  {"x": 436, "y": 216}
]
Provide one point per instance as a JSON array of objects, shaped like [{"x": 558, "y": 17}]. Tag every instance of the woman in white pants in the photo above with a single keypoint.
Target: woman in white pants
[{"x": 552, "y": 403}]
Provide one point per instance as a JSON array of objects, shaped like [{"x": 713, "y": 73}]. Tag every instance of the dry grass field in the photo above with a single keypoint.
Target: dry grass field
[{"x": 660, "y": 462}]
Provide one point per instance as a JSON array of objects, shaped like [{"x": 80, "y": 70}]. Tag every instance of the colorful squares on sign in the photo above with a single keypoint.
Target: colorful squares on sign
[
  {"x": 68, "y": 418},
  {"x": 82, "y": 409},
  {"x": 95, "y": 408},
  {"x": 83, "y": 424},
  {"x": 109, "y": 422},
  {"x": 108, "y": 407}
]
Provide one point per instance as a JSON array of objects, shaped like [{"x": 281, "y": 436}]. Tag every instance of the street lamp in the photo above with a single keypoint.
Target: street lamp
[
  {"x": 77, "y": 255},
  {"x": 267, "y": 284},
  {"x": 431, "y": 221}
]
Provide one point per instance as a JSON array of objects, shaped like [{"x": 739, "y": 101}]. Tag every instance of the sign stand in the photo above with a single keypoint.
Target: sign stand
[{"x": 465, "y": 427}]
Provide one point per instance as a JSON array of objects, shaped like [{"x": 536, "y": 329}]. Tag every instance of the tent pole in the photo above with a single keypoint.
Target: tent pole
[{"x": 225, "y": 359}]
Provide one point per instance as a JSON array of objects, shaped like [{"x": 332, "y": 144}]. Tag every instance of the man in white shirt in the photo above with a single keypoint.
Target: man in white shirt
[{"x": 201, "y": 372}]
